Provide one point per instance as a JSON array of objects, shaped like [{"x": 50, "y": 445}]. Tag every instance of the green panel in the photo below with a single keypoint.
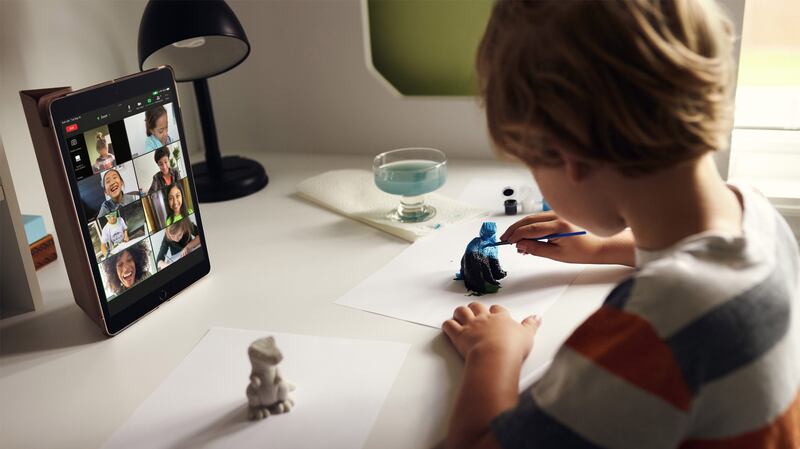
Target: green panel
[{"x": 428, "y": 47}]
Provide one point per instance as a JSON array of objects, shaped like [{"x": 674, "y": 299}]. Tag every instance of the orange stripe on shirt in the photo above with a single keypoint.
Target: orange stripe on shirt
[
  {"x": 782, "y": 433},
  {"x": 629, "y": 347}
]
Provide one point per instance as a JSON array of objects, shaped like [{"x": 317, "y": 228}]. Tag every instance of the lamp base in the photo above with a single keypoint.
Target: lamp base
[{"x": 239, "y": 177}]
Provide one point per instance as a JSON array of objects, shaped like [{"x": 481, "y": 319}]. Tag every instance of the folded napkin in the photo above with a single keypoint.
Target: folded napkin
[{"x": 353, "y": 193}]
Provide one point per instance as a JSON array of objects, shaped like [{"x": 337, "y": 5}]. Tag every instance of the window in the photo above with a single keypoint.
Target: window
[{"x": 765, "y": 147}]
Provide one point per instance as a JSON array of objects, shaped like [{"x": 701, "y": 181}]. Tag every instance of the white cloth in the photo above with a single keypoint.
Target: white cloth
[{"x": 353, "y": 193}]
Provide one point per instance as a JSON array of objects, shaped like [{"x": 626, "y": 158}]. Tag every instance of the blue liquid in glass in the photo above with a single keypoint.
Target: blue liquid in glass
[{"x": 411, "y": 177}]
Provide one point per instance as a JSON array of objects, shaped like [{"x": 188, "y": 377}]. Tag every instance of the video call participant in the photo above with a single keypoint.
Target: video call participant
[
  {"x": 114, "y": 232},
  {"x": 125, "y": 269},
  {"x": 165, "y": 176},
  {"x": 179, "y": 238},
  {"x": 177, "y": 205},
  {"x": 113, "y": 186},
  {"x": 157, "y": 124},
  {"x": 106, "y": 160}
]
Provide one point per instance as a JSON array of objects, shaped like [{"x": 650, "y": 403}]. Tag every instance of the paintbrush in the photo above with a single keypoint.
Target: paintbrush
[{"x": 551, "y": 236}]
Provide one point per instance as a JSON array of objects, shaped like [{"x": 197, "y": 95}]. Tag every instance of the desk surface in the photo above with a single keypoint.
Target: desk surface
[{"x": 63, "y": 385}]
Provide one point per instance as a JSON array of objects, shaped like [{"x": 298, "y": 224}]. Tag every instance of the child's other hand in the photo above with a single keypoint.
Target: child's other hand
[
  {"x": 477, "y": 327},
  {"x": 581, "y": 249}
]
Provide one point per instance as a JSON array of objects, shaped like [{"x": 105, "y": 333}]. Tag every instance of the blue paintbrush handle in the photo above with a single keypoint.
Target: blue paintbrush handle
[{"x": 547, "y": 237}]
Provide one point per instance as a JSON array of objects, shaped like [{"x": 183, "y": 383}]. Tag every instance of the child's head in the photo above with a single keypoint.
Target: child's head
[
  {"x": 113, "y": 184},
  {"x": 175, "y": 201},
  {"x": 176, "y": 231},
  {"x": 102, "y": 146},
  {"x": 161, "y": 157},
  {"x": 126, "y": 268},
  {"x": 639, "y": 85},
  {"x": 112, "y": 217},
  {"x": 157, "y": 124}
]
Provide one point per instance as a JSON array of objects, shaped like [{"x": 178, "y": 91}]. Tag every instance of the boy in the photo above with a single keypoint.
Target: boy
[
  {"x": 165, "y": 176},
  {"x": 114, "y": 232},
  {"x": 616, "y": 108}
]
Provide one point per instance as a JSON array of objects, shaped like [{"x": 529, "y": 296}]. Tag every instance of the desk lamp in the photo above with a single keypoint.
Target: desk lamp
[{"x": 201, "y": 39}]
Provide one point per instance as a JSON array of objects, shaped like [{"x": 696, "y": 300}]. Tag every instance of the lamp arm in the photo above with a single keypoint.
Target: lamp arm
[{"x": 209, "y": 128}]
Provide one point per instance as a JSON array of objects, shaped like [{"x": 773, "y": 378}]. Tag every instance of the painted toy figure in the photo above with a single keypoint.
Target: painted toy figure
[
  {"x": 267, "y": 392},
  {"x": 480, "y": 267}
]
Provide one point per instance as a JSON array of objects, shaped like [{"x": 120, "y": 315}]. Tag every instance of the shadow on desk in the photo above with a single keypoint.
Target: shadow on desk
[
  {"x": 63, "y": 327},
  {"x": 232, "y": 422}
]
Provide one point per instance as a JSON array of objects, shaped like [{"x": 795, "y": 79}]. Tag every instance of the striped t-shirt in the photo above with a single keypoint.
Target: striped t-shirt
[{"x": 699, "y": 349}]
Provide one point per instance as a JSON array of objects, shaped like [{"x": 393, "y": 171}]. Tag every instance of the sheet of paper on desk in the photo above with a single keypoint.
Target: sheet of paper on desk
[
  {"x": 341, "y": 386},
  {"x": 418, "y": 284}
]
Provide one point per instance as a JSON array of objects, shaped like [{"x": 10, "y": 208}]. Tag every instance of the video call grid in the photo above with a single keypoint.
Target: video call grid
[{"x": 145, "y": 203}]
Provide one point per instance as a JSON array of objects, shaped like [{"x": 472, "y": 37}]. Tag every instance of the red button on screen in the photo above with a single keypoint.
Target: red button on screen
[{"x": 72, "y": 127}]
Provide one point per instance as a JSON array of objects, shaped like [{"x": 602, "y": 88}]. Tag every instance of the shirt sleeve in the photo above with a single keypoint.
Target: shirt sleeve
[
  {"x": 614, "y": 384},
  {"x": 162, "y": 251},
  {"x": 528, "y": 426},
  {"x": 103, "y": 210},
  {"x": 153, "y": 185},
  {"x": 149, "y": 144}
]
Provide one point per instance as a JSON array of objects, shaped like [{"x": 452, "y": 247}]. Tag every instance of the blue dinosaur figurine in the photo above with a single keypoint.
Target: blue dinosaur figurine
[{"x": 480, "y": 266}]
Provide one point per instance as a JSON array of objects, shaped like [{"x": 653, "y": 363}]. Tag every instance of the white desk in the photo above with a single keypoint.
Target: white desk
[{"x": 278, "y": 263}]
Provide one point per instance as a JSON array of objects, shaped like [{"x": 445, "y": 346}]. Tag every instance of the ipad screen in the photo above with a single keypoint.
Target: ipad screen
[{"x": 136, "y": 199}]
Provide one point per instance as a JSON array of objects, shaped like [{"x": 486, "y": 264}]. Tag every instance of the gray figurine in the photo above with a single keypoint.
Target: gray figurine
[{"x": 267, "y": 393}]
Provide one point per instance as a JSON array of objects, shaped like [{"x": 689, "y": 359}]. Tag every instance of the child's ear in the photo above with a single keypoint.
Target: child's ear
[{"x": 576, "y": 169}]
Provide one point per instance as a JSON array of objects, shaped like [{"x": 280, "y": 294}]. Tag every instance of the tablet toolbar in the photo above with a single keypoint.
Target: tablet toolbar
[{"x": 119, "y": 111}]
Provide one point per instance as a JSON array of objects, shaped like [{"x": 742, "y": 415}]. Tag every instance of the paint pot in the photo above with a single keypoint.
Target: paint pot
[{"x": 511, "y": 207}]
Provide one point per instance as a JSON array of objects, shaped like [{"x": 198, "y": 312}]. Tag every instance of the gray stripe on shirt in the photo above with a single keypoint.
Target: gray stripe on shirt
[{"x": 734, "y": 333}]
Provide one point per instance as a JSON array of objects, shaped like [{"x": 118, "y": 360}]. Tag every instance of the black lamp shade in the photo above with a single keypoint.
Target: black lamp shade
[{"x": 199, "y": 39}]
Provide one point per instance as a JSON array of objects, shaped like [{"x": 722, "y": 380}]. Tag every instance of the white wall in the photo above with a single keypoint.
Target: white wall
[
  {"x": 57, "y": 43},
  {"x": 309, "y": 89},
  {"x": 304, "y": 88}
]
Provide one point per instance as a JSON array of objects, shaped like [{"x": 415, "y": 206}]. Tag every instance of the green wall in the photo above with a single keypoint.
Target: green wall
[{"x": 427, "y": 47}]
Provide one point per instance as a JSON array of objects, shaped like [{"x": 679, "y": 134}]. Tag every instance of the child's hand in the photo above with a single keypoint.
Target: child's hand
[
  {"x": 491, "y": 329},
  {"x": 581, "y": 249}
]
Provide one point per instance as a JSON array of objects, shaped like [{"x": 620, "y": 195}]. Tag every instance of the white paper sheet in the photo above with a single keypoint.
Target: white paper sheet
[
  {"x": 418, "y": 284},
  {"x": 341, "y": 385}
]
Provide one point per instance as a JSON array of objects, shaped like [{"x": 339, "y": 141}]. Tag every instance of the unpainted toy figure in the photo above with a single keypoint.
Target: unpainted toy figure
[
  {"x": 267, "y": 393},
  {"x": 480, "y": 267}
]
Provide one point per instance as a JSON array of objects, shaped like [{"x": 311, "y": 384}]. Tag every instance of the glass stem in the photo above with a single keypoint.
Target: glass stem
[{"x": 411, "y": 206}]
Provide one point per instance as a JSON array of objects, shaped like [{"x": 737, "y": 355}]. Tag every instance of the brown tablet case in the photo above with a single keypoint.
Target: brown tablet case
[{"x": 36, "y": 104}]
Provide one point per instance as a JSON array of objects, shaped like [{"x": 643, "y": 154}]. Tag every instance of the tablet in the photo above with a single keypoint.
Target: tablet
[{"x": 127, "y": 164}]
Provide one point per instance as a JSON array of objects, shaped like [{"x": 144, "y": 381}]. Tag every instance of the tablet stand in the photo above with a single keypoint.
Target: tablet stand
[{"x": 36, "y": 104}]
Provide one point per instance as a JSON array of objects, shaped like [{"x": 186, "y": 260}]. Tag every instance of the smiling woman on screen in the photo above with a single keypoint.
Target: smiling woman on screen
[{"x": 127, "y": 268}]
